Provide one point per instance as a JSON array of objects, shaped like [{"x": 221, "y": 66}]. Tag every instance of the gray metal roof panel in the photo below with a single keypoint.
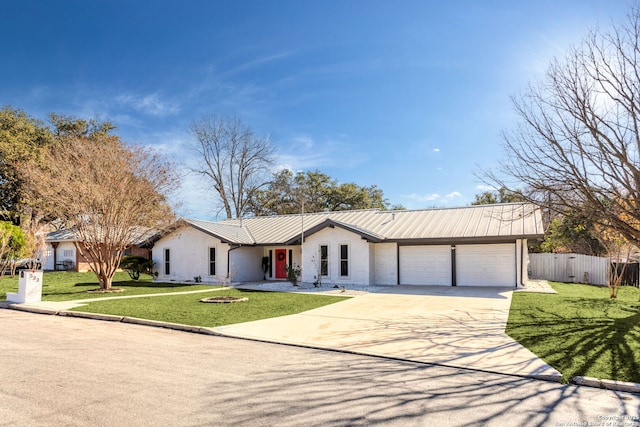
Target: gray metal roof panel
[
  {"x": 225, "y": 232},
  {"x": 66, "y": 235},
  {"x": 481, "y": 222}
]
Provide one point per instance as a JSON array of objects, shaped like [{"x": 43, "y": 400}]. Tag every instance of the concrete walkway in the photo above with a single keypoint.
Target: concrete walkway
[{"x": 462, "y": 327}]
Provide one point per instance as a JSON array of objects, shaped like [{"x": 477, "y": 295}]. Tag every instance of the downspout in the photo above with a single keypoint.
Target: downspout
[
  {"x": 523, "y": 244},
  {"x": 524, "y": 270},
  {"x": 521, "y": 263}
]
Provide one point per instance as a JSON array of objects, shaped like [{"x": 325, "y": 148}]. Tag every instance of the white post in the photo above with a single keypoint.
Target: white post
[
  {"x": 302, "y": 243},
  {"x": 29, "y": 288}
]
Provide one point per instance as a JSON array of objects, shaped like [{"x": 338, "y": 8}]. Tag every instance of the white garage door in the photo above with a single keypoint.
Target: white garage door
[
  {"x": 486, "y": 265},
  {"x": 425, "y": 265}
]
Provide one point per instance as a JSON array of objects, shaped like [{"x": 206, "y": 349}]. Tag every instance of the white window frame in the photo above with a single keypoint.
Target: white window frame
[
  {"x": 68, "y": 253},
  {"x": 212, "y": 262},
  {"x": 328, "y": 259},
  {"x": 347, "y": 259},
  {"x": 166, "y": 261}
]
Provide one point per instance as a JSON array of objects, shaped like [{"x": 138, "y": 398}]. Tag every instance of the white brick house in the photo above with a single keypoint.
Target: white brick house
[{"x": 471, "y": 246}]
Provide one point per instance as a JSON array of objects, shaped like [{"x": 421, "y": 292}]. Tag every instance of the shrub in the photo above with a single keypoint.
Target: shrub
[
  {"x": 293, "y": 272},
  {"x": 135, "y": 265}
]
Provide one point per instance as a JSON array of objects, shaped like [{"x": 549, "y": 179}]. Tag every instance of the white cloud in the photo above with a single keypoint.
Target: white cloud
[
  {"x": 258, "y": 62},
  {"x": 484, "y": 187},
  {"x": 453, "y": 195},
  {"x": 436, "y": 150},
  {"x": 420, "y": 201},
  {"x": 422, "y": 197},
  {"x": 148, "y": 104},
  {"x": 303, "y": 152}
]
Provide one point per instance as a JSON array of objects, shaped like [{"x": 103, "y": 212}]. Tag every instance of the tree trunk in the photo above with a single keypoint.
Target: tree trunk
[{"x": 105, "y": 281}]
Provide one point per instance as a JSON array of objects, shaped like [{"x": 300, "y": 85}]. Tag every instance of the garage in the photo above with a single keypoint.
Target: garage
[
  {"x": 486, "y": 265},
  {"x": 425, "y": 265}
]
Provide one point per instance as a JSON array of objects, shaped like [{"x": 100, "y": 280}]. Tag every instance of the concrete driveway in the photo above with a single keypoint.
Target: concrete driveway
[{"x": 452, "y": 326}]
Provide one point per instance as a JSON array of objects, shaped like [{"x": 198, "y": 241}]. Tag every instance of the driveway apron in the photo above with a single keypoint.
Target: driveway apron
[{"x": 461, "y": 327}]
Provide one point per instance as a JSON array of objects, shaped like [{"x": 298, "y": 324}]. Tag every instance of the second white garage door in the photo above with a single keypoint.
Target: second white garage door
[
  {"x": 425, "y": 265},
  {"x": 486, "y": 265}
]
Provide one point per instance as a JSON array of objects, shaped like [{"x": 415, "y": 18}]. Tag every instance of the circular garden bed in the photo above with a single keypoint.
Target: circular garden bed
[{"x": 224, "y": 299}]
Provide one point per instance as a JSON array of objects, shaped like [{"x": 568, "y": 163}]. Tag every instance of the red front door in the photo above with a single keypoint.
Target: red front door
[{"x": 281, "y": 262}]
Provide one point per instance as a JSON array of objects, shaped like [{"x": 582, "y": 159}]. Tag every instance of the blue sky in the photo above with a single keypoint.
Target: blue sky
[{"x": 408, "y": 95}]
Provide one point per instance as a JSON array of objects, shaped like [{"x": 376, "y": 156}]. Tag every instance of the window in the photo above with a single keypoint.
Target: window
[
  {"x": 212, "y": 261},
  {"x": 344, "y": 260},
  {"x": 324, "y": 260},
  {"x": 167, "y": 266},
  {"x": 67, "y": 253}
]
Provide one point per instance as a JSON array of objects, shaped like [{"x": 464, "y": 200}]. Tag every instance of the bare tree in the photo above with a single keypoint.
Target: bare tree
[
  {"x": 577, "y": 145},
  {"x": 234, "y": 159},
  {"x": 104, "y": 190}
]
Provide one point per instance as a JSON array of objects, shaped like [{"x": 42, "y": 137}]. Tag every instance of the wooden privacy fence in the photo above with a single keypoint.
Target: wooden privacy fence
[{"x": 571, "y": 268}]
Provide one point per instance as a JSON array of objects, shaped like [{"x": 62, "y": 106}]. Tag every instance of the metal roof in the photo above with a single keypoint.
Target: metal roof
[
  {"x": 65, "y": 235},
  {"x": 228, "y": 233},
  {"x": 140, "y": 235},
  {"x": 481, "y": 222}
]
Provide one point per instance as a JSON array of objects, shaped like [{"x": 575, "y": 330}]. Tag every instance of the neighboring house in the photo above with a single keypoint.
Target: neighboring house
[
  {"x": 482, "y": 245},
  {"x": 62, "y": 254}
]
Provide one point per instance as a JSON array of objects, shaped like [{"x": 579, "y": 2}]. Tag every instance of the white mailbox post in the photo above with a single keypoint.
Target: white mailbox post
[{"x": 29, "y": 287}]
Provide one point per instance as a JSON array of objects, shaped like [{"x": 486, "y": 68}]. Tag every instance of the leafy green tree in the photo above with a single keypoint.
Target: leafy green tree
[
  {"x": 501, "y": 195},
  {"x": 286, "y": 193},
  {"x": 14, "y": 246},
  {"x": 21, "y": 139},
  {"x": 278, "y": 198},
  {"x": 68, "y": 126},
  {"x": 314, "y": 188},
  {"x": 574, "y": 233}
]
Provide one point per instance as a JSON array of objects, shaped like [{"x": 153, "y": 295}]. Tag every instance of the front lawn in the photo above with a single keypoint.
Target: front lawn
[
  {"x": 65, "y": 286},
  {"x": 184, "y": 309},
  {"x": 581, "y": 331},
  {"x": 188, "y": 310}
]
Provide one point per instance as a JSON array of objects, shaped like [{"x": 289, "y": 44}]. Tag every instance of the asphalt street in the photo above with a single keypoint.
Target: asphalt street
[{"x": 75, "y": 372}]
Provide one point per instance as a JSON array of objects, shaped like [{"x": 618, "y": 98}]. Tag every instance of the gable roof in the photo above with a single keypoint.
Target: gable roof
[
  {"x": 481, "y": 222},
  {"x": 227, "y": 233},
  {"x": 365, "y": 234}
]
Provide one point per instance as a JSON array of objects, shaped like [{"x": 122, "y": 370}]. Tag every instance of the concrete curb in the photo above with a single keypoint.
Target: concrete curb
[
  {"x": 20, "y": 307},
  {"x": 606, "y": 384},
  {"x": 95, "y": 316},
  {"x": 159, "y": 324},
  {"x": 111, "y": 318}
]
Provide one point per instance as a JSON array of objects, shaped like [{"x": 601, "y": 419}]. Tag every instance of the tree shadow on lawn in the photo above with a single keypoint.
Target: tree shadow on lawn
[
  {"x": 601, "y": 346},
  {"x": 138, "y": 284},
  {"x": 80, "y": 289}
]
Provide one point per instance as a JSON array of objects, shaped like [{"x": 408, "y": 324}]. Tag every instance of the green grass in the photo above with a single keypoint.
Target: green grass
[
  {"x": 581, "y": 331},
  {"x": 65, "y": 286},
  {"x": 188, "y": 310},
  {"x": 184, "y": 309}
]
